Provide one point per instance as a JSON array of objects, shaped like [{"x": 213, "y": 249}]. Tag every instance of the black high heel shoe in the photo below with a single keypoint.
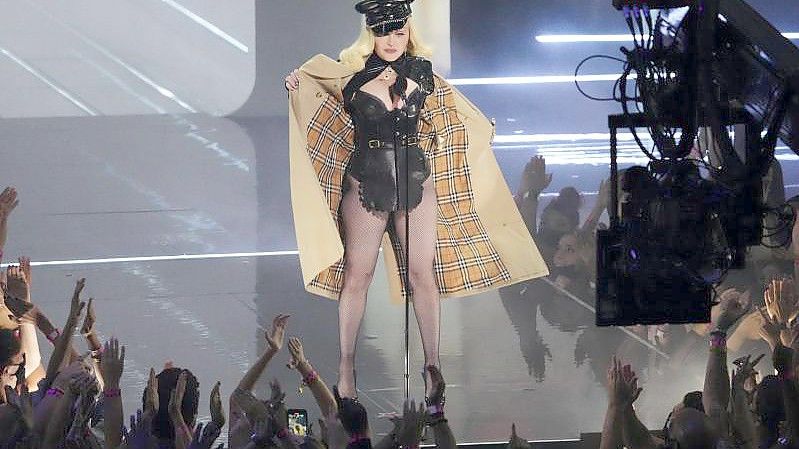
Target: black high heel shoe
[
  {"x": 439, "y": 404},
  {"x": 355, "y": 382}
]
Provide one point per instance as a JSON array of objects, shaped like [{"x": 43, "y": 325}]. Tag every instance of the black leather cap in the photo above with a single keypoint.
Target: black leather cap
[{"x": 385, "y": 16}]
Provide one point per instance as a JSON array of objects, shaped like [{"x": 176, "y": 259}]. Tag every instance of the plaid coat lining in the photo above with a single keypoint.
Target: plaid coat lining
[{"x": 465, "y": 258}]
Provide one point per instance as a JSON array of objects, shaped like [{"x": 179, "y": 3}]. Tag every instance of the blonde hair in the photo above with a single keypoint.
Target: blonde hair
[{"x": 355, "y": 55}]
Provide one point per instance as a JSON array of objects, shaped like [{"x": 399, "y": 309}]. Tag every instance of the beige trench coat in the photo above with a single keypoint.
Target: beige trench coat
[{"x": 318, "y": 238}]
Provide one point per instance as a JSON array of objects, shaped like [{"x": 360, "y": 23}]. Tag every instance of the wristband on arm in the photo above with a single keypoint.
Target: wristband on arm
[
  {"x": 435, "y": 410},
  {"x": 310, "y": 378},
  {"x": 112, "y": 392},
  {"x": 359, "y": 442},
  {"x": 718, "y": 341},
  {"x": 55, "y": 391},
  {"x": 53, "y": 335}
]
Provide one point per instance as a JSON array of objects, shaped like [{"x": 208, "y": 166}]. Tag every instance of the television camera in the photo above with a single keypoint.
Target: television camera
[{"x": 707, "y": 71}]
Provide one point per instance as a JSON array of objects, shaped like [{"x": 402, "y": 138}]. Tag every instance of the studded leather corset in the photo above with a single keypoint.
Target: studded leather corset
[{"x": 387, "y": 161}]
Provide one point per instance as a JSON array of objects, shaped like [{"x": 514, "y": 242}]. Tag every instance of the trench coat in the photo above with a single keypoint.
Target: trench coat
[{"x": 482, "y": 242}]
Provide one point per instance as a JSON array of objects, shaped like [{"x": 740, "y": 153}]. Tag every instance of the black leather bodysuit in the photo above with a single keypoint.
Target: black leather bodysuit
[{"x": 383, "y": 140}]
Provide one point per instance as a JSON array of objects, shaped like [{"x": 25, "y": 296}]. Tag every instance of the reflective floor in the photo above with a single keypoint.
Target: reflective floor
[{"x": 97, "y": 189}]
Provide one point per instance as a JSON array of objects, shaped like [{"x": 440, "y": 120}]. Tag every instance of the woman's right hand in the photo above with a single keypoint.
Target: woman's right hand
[{"x": 293, "y": 80}]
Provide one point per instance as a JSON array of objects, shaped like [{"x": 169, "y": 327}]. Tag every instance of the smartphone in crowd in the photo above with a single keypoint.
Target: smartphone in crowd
[{"x": 298, "y": 421}]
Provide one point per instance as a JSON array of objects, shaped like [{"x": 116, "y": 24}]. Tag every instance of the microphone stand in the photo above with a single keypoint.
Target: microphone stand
[{"x": 406, "y": 262}]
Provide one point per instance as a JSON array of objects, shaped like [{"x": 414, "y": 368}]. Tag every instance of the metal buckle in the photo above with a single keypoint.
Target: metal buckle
[
  {"x": 411, "y": 140},
  {"x": 374, "y": 143}
]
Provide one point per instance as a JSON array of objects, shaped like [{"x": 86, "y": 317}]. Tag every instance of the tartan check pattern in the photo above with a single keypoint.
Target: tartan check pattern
[{"x": 465, "y": 258}]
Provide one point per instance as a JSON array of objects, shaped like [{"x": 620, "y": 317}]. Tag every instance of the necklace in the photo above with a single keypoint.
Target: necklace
[{"x": 387, "y": 74}]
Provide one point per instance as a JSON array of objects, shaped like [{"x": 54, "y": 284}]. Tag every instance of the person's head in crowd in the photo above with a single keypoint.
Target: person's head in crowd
[
  {"x": 561, "y": 216},
  {"x": 167, "y": 381},
  {"x": 567, "y": 253},
  {"x": 570, "y": 267},
  {"x": 690, "y": 428},
  {"x": 562, "y": 213},
  {"x": 769, "y": 408},
  {"x": 635, "y": 185},
  {"x": 693, "y": 399}
]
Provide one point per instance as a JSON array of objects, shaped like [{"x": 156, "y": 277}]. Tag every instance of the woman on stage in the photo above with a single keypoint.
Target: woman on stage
[{"x": 376, "y": 137}]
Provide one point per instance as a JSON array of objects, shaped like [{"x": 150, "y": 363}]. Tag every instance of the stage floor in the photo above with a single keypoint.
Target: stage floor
[{"x": 96, "y": 190}]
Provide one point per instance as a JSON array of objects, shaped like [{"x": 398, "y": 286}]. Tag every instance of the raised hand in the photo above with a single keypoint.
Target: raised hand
[
  {"x": 75, "y": 307},
  {"x": 140, "y": 434},
  {"x": 23, "y": 311},
  {"x": 745, "y": 370},
  {"x": 25, "y": 266},
  {"x": 769, "y": 329},
  {"x": 515, "y": 442},
  {"x": 623, "y": 388},
  {"x": 88, "y": 321},
  {"x": 151, "y": 395},
  {"x": 17, "y": 283},
  {"x": 293, "y": 80},
  {"x": 732, "y": 306},
  {"x": 112, "y": 362},
  {"x": 176, "y": 397},
  {"x": 8, "y": 201},
  {"x": 297, "y": 353},
  {"x": 275, "y": 337},
  {"x": 413, "y": 421},
  {"x": 781, "y": 302},
  {"x": 204, "y": 436},
  {"x": 438, "y": 386},
  {"x": 535, "y": 178},
  {"x": 217, "y": 411},
  {"x": 182, "y": 430}
]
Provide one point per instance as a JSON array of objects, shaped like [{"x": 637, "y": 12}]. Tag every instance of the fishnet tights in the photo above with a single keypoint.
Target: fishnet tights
[{"x": 363, "y": 232}]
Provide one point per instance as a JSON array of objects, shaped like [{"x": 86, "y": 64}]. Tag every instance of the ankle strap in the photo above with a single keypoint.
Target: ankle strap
[{"x": 435, "y": 409}]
